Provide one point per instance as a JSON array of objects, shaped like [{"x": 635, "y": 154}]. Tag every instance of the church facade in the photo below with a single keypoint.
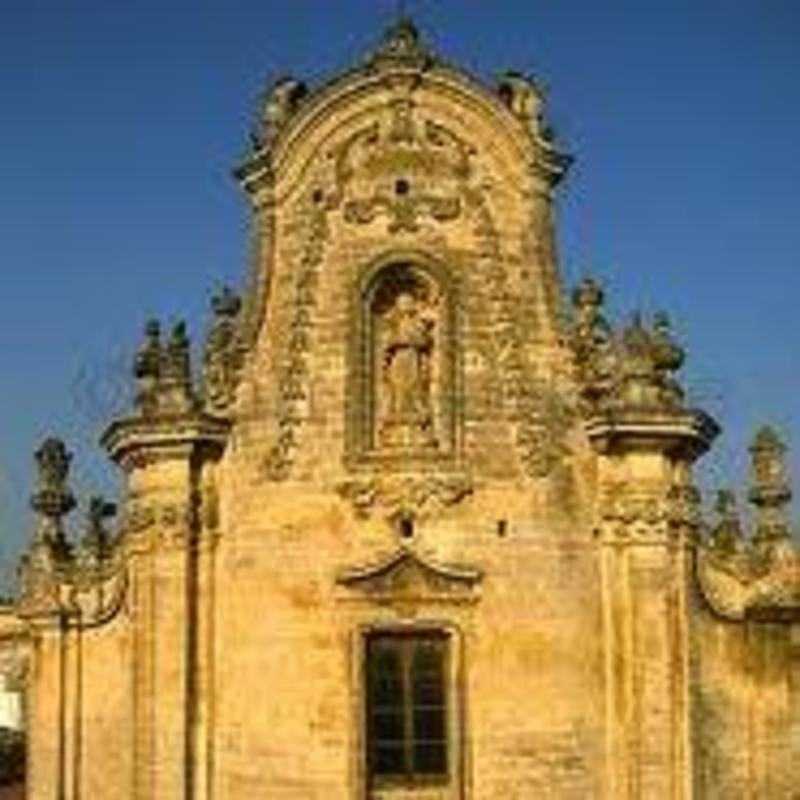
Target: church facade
[{"x": 425, "y": 529}]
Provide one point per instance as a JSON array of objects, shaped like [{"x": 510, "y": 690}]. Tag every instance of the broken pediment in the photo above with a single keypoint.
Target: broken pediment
[{"x": 408, "y": 575}]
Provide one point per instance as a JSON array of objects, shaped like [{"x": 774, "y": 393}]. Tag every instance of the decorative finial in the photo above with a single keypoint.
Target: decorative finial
[
  {"x": 770, "y": 489},
  {"x": 176, "y": 383},
  {"x": 588, "y": 294},
  {"x": 52, "y": 498},
  {"x": 96, "y": 540},
  {"x": 401, "y": 44},
  {"x": 147, "y": 368},
  {"x": 668, "y": 355},
  {"x": 226, "y": 303},
  {"x": 590, "y": 340},
  {"x": 283, "y": 99},
  {"x": 727, "y": 535},
  {"x": 222, "y": 356},
  {"x": 647, "y": 360},
  {"x": 522, "y": 97}
]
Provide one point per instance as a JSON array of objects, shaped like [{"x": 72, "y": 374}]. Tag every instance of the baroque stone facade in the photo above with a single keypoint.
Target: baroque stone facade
[{"x": 424, "y": 531}]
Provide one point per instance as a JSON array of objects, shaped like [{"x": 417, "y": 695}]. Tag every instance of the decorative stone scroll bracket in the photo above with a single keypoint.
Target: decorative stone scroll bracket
[
  {"x": 742, "y": 587},
  {"x": 756, "y": 577},
  {"x": 78, "y": 598},
  {"x": 408, "y": 575}
]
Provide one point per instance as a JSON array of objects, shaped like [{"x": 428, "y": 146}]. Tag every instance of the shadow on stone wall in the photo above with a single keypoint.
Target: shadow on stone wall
[{"x": 12, "y": 764}]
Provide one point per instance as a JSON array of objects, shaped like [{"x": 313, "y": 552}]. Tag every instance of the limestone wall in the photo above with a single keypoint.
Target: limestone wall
[
  {"x": 289, "y": 690},
  {"x": 746, "y": 697}
]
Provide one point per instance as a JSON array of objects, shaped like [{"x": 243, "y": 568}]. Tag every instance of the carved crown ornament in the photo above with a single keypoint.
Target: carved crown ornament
[{"x": 407, "y": 575}]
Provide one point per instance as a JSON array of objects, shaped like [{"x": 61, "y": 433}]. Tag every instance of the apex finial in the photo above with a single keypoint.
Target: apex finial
[{"x": 401, "y": 44}]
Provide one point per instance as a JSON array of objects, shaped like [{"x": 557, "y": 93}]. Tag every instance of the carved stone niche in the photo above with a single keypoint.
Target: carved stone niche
[
  {"x": 402, "y": 409},
  {"x": 406, "y": 576}
]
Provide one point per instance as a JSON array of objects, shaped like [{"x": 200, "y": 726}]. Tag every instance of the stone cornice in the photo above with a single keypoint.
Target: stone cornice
[
  {"x": 688, "y": 433},
  {"x": 11, "y": 626},
  {"x": 137, "y": 441}
]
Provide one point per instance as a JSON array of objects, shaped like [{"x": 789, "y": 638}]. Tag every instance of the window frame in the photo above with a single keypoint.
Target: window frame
[
  {"x": 452, "y": 781},
  {"x": 403, "y": 644}
]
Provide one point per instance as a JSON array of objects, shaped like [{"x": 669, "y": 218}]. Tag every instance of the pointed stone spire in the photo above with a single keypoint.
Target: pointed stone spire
[{"x": 770, "y": 490}]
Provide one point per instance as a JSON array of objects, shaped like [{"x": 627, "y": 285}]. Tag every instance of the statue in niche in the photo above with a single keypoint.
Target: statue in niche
[{"x": 405, "y": 367}]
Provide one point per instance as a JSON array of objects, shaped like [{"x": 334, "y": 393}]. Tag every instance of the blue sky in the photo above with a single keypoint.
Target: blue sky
[{"x": 121, "y": 122}]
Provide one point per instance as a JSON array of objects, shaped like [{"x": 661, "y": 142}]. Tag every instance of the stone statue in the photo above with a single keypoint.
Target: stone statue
[{"x": 407, "y": 349}]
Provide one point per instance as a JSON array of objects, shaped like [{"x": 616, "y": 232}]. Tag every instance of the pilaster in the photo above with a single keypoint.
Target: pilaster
[
  {"x": 164, "y": 457},
  {"x": 647, "y": 518}
]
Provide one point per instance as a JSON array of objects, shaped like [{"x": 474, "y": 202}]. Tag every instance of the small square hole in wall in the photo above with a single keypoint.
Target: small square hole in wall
[
  {"x": 405, "y": 527},
  {"x": 502, "y": 528}
]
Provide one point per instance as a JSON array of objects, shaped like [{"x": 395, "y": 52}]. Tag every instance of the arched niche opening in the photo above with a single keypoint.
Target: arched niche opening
[{"x": 402, "y": 377}]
